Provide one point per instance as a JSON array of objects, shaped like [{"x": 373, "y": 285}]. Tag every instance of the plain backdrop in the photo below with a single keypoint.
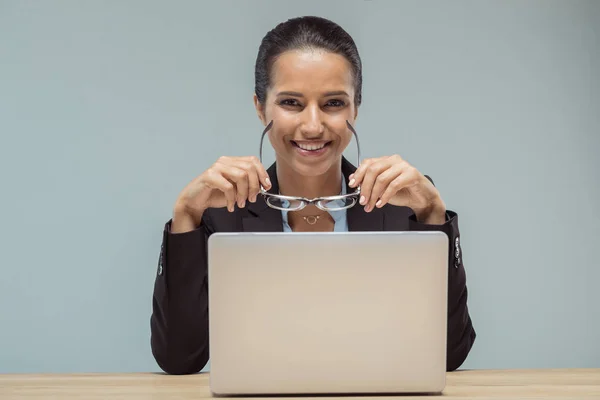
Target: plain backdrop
[{"x": 108, "y": 108}]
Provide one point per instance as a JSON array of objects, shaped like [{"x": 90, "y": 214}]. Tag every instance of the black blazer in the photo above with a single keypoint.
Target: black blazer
[{"x": 179, "y": 321}]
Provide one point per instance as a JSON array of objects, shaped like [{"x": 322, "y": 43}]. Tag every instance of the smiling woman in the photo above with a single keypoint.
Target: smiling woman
[
  {"x": 311, "y": 99},
  {"x": 308, "y": 90}
]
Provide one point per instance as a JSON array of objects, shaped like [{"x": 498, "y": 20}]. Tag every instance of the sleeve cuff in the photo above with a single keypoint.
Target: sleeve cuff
[
  {"x": 178, "y": 247},
  {"x": 178, "y": 243},
  {"x": 169, "y": 233},
  {"x": 450, "y": 228}
]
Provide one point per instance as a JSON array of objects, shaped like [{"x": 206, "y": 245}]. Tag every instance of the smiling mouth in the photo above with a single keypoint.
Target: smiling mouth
[{"x": 310, "y": 146}]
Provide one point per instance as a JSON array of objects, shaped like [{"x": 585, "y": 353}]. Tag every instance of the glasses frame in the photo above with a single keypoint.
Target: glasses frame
[{"x": 317, "y": 201}]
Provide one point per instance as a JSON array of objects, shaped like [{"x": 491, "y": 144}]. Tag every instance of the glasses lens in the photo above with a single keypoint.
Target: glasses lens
[
  {"x": 284, "y": 204},
  {"x": 338, "y": 204}
]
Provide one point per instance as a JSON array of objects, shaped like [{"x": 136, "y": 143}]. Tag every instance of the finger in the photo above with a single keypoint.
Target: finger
[
  {"x": 404, "y": 181},
  {"x": 253, "y": 178},
  {"x": 239, "y": 177},
  {"x": 253, "y": 184},
  {"x": 368, "y": 181},
  {"x": 263, "y": 176},
  {"x": 382, "y": 182},
  {"x": 217, "y": 181},
  {"x": 358, "y": 175}
]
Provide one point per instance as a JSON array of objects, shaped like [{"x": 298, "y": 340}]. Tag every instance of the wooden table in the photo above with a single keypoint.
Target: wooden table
[{"x": 475, "y": 384}]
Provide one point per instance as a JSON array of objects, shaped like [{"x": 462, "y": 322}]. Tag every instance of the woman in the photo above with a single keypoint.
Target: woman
[{"x": 308, "y": 81}]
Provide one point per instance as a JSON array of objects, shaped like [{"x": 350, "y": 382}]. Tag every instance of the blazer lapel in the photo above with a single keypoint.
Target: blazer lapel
[{"x": 262, "y": 218}]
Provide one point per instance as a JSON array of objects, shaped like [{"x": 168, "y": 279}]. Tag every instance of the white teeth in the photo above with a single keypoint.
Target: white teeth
[{"x": 311, "y": 147}]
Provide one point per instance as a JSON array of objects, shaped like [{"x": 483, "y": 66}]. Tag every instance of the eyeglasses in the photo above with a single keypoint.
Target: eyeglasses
[{"x": 327, "y": 203}]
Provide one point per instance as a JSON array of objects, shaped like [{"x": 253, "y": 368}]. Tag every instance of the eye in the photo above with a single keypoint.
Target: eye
[
  {"x": 335, "y": 103},
  {"x": 289, "y": 102}
]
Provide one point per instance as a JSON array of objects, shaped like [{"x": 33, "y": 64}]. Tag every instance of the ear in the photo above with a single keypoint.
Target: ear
[
  {"x": 355, "y": 113},
  {"x": 260, "y": 110}
]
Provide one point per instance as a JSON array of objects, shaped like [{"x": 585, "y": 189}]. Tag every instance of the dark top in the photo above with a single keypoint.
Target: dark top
[{"x": 179, "y": 321}]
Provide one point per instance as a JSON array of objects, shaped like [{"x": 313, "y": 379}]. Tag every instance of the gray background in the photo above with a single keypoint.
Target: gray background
[{"x": 108, "y": 108}]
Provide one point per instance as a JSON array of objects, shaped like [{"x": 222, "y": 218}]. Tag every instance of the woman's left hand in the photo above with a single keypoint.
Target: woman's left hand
[{"x": 392, "y": 180}]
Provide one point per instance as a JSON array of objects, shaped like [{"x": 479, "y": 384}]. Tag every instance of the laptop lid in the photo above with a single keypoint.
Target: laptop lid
[{"x": 352, "y": 312}]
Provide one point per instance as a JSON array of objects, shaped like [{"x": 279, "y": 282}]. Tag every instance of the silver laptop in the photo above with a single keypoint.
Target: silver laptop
[{"x": 324, "y": 313}]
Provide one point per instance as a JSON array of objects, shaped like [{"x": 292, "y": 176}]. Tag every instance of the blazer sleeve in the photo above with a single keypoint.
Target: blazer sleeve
[
  {"x": 179, "y": 321},
  {"x": 461, "y": 334}
]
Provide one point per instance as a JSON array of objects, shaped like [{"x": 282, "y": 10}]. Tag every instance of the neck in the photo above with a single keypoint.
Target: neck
[{"x": 293, "y": 184}]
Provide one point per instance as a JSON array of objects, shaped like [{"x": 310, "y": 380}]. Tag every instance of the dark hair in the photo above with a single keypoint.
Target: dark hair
[{"x": 305, "y": 33}]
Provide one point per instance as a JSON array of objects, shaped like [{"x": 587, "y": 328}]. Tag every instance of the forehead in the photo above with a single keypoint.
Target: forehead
[{"x": 308, "y": 71}]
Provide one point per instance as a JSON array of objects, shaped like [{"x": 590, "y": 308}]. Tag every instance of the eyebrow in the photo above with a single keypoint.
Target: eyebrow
[{"x": 297, "y": 94}]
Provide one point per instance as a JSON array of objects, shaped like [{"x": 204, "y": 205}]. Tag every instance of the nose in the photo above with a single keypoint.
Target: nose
[{"x": 312, "y": 123}]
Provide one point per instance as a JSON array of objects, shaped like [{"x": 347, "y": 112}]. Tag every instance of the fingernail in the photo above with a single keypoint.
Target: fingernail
[
  {"x": 363, "y": 200},
  {"x": 268, "y": 181},
  {"x": 352, "y": 182},
  {"x": 366, "y": 208},
  {"x": 243, "y": 204},
  {"x": 378, "y": 204}
]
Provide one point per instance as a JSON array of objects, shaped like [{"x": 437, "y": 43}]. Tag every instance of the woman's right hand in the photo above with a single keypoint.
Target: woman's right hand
[{"x": 228, "y": 181}]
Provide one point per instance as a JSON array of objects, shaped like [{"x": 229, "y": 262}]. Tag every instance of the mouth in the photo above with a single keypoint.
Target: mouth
[{"x": 311, "y": 148}]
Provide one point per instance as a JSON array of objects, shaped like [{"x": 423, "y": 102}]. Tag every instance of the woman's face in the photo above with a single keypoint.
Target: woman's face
[{"x": 310, "y": 98}]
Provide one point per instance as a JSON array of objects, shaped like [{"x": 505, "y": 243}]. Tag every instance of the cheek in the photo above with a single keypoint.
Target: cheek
[
  {"x": 346, "y": 139},
  {"x": 346, "y": 143},
  {"x": 282, "y": 117},
  {"x": 276, "y": 138},
  {"x": 273, "y": 112}
]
